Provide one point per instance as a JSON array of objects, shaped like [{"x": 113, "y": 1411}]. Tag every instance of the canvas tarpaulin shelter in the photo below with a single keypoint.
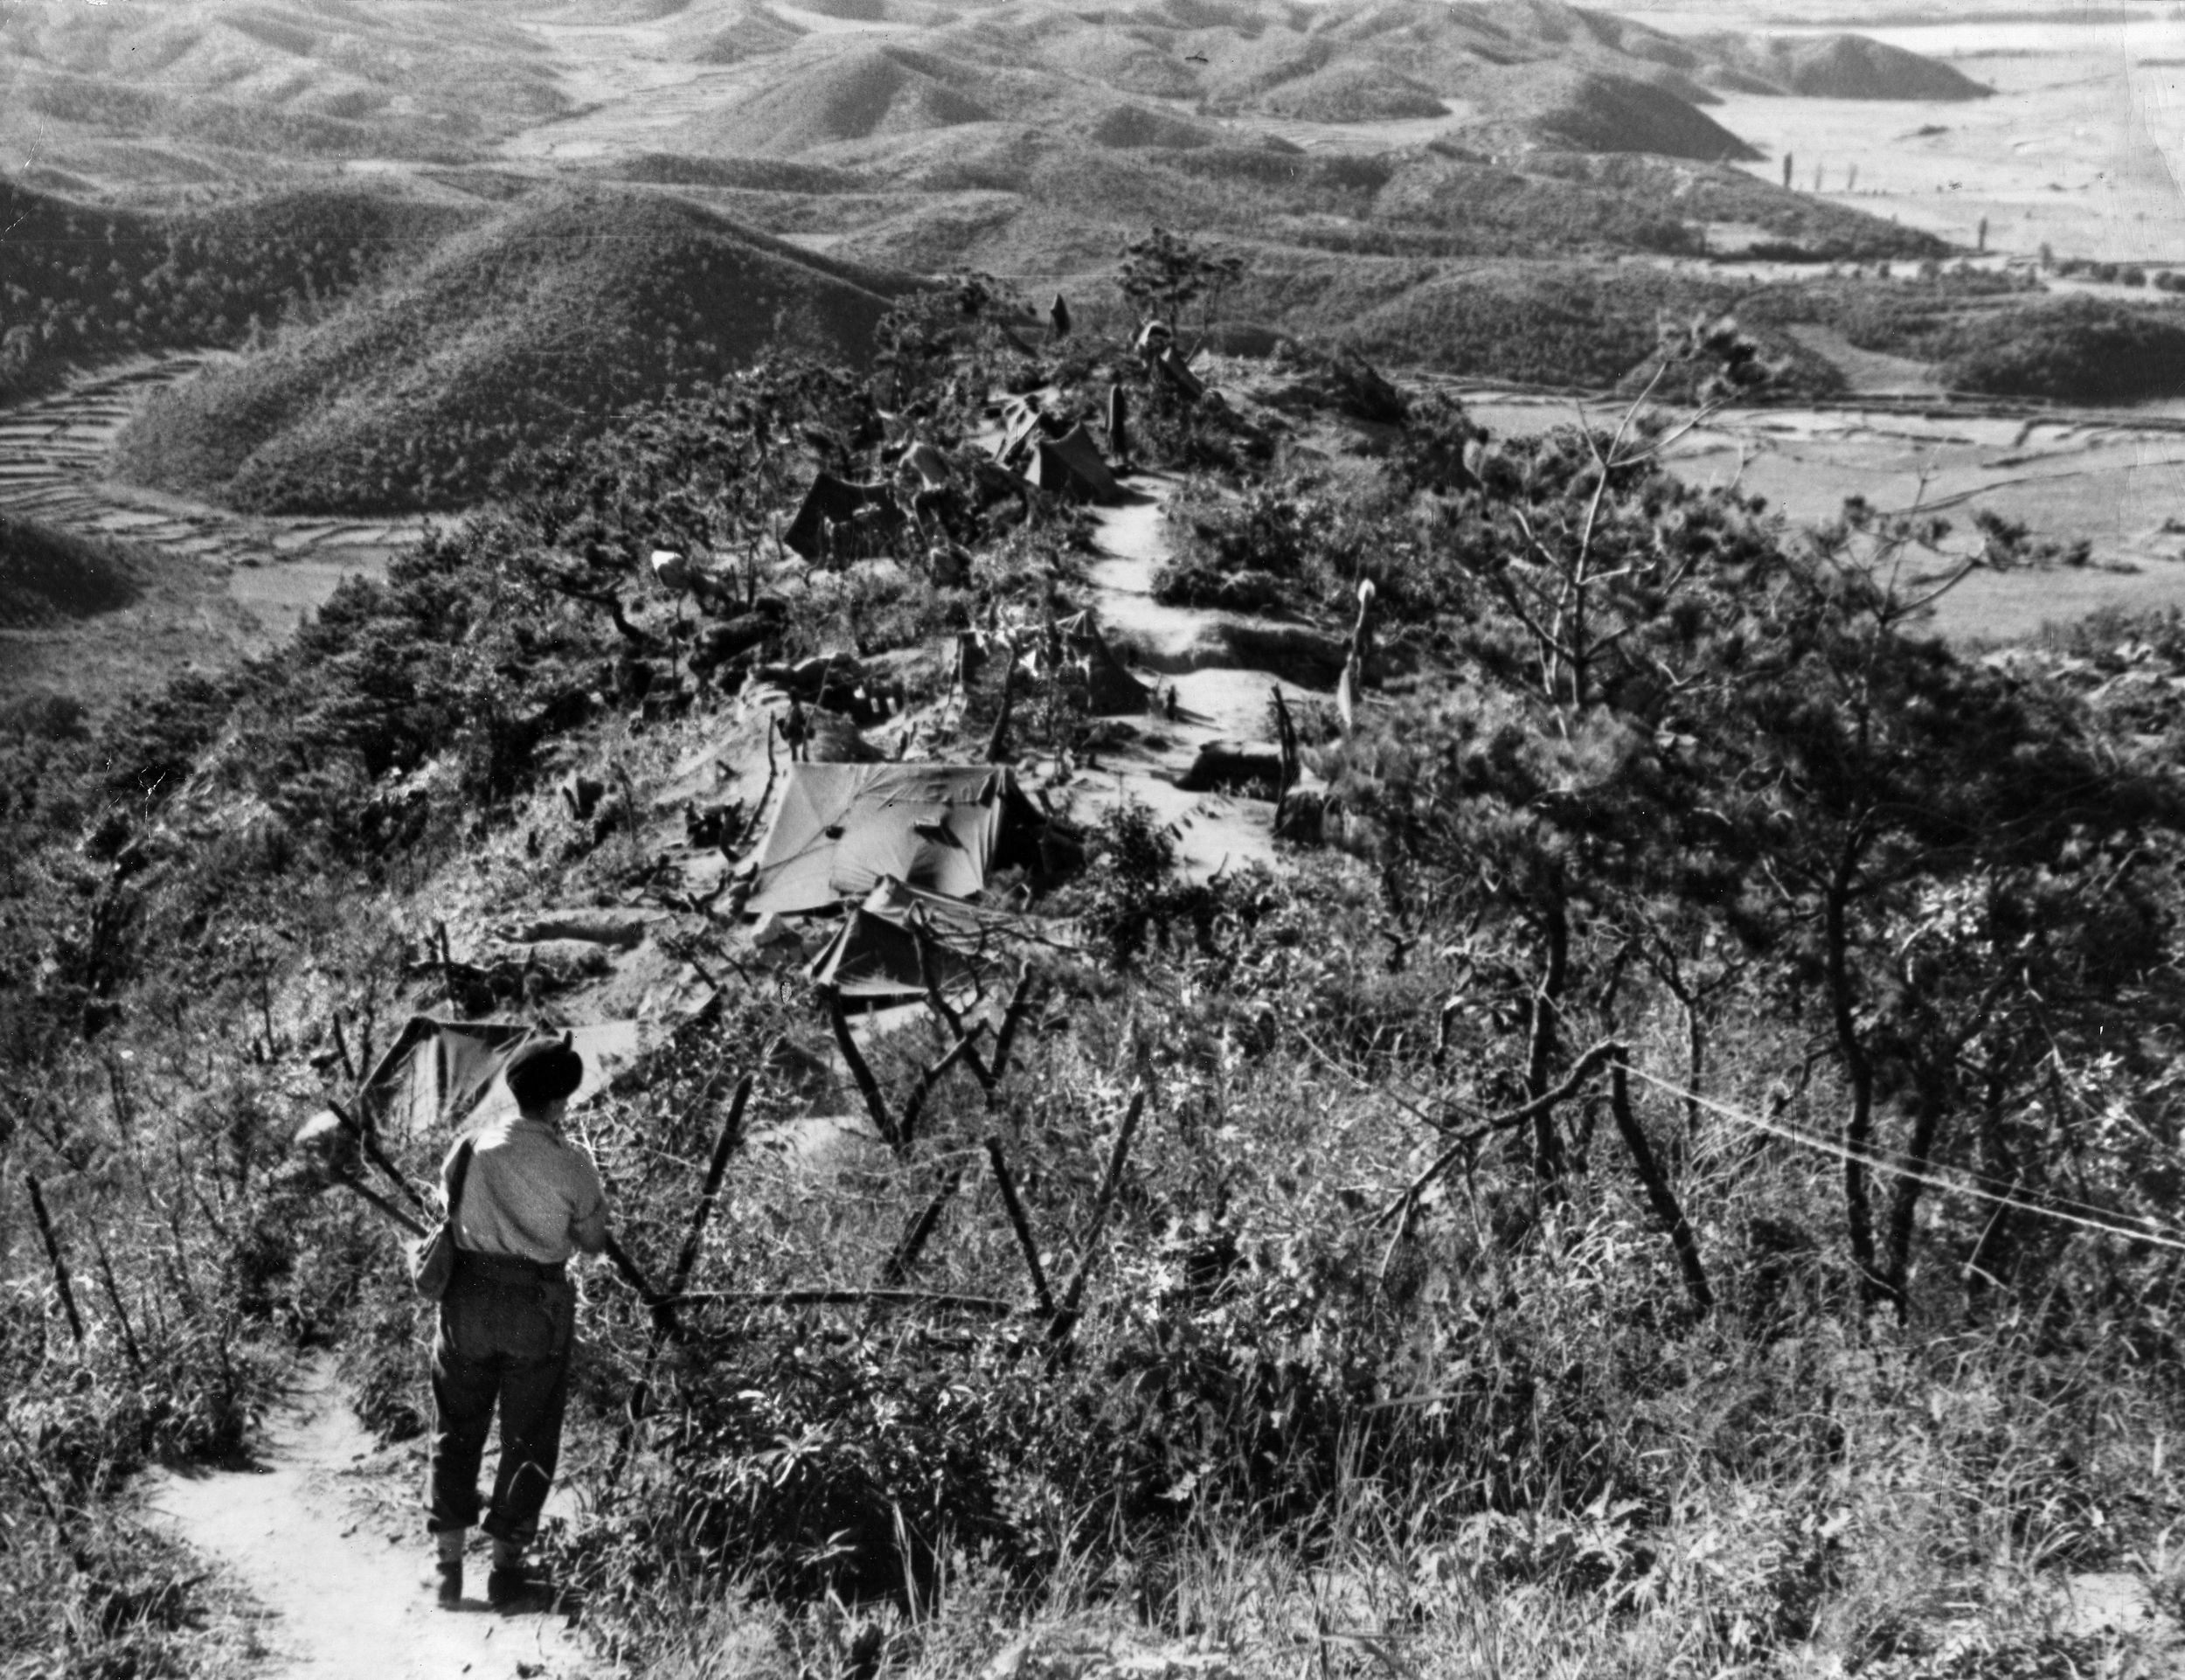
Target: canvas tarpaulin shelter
[
  {"x": 1071, "y": 465},
  {"x": 448, "y": 1073},
  {"x": 839, "y": 501},
  {"x": 1020, "y": 420},
  {"x": 1111, "y": 690},
  {"x": 899, "y": 943},
  {"x": 942, "y": 827}
]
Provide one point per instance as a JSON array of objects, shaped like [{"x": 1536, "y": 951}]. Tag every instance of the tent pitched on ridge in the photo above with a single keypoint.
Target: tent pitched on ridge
[
  {"x": 449, "y": 1071},
  {"x": 942, "y": 827},
  {"x": 1071, "y": 465},
  {"x": 838, "y": 501},
  {"x": 1111, "y": 690},
  {"x": 899, "y": 942}
]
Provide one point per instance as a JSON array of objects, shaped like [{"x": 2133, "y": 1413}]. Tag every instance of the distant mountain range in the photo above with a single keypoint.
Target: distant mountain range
[
  {"x": 170, "y": 96},
  {"x": 446, "y": 235}
]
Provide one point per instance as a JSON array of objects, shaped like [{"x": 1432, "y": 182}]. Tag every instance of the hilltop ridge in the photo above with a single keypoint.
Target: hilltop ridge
[{"x": 535, "y": 323}]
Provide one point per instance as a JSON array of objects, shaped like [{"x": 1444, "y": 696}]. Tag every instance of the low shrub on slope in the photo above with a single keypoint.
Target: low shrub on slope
[
  {"x": 536, "y": 326},
  {"x": 1703, "y": 192},
  {"x": 1560, "y": 324},
  {"x": 1519, "y": 214},
  {"x": 1985, "y": 334},
  {"x": 47, "y": 574},
  {"x": 2081, "y": 350}
]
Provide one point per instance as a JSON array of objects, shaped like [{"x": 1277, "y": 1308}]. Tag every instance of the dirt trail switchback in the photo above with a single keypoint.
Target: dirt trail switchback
[{"x": 341, "y": 1602}]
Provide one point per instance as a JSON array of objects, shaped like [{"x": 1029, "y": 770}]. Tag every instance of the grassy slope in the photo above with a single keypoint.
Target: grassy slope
[
  {"x": 78, "y": 283},
  {"x": 542, "y": 322}
]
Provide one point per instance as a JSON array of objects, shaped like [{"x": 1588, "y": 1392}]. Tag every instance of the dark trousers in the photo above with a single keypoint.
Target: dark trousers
[{"x": 506, "y": 1328}]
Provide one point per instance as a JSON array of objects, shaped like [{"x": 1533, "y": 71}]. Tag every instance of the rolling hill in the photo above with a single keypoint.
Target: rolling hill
[
  {"x": 829, "y": 96},
  {"x": 239, "y": 90},
  {"x": 47, "y": 576},
  {"x": 82, "y": 282},
  {"x": 534, "y": 325},
  {"x": 1533, "y": 74},
  {"x": 438, "y": 294},
  {"x": 1838, "y": 66}
]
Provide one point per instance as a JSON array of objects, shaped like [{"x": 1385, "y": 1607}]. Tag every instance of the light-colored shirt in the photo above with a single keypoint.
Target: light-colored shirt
[{"x": 530, "y": 1194}]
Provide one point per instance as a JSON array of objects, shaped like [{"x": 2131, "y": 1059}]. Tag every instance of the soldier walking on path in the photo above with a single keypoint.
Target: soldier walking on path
[
  {"x": 522, "y": 1199},
  {"x": 796, "y": 730}
]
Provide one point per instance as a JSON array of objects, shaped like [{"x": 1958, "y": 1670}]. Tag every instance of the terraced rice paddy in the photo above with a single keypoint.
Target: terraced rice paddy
[{"x": 54, "y": 458}]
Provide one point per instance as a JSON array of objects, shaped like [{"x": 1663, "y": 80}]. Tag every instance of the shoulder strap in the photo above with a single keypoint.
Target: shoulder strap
[{"x": 462, "y": 1171}]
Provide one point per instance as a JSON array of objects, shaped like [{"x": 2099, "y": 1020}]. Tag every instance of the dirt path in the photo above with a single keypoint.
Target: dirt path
[
  {"x": 1182, "y": 648},
  {"x": 343, "y": 1603},
  {"x": 56, "y": 454}
]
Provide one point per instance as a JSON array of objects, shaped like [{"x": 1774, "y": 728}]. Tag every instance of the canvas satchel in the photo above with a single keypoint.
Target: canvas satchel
[{"x": 433, "y": 1257}]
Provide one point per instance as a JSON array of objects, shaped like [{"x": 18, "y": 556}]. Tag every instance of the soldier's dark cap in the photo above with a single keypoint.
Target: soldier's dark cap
[{"x": 543, "y": 1071}]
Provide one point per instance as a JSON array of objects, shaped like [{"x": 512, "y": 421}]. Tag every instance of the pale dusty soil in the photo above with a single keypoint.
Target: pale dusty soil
[
  {"x": 1215, "y": 701},
  {"x": 341, "y": 1601},
  {"x": 1869, "y": 373}
]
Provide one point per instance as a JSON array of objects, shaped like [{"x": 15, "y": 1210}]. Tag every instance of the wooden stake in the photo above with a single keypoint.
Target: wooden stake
[
  {"x": 921, "y": 1231},
  {"x": 663, "y": 1307},
  {"x": 861, "y": 1070},
  {"x": 1018, "y": 1223},
  {"x": 732, "y": 1134},
  {"x": 60, "y": 1262},
  {"x": 386, "y": 1207},
  {"x": 1286, "y": 733},
  {"x": 1066, "y": 1321},
  {"x": 997, "y": 743},
  {"x": 120, "y": 1313},
  {"x": 662, "y": 1310},
  {"x": 370, "y": 1141},
  {"x": 914, "y": 1105},
  {"x": 938, "y": 1004},
  {"x": 1005, "y": 1040},
  {"x": 758, "y": 810}
]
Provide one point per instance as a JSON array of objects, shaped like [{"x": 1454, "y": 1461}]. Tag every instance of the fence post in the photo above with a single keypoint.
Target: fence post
[{"x": 60, "y": 1262}]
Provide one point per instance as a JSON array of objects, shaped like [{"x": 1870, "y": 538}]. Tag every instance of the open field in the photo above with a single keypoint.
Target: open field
[
  {"x": 218, "y": 585},
  {"x": 2092, "y": 476},
  {"x": 2080, "y": 148}
]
